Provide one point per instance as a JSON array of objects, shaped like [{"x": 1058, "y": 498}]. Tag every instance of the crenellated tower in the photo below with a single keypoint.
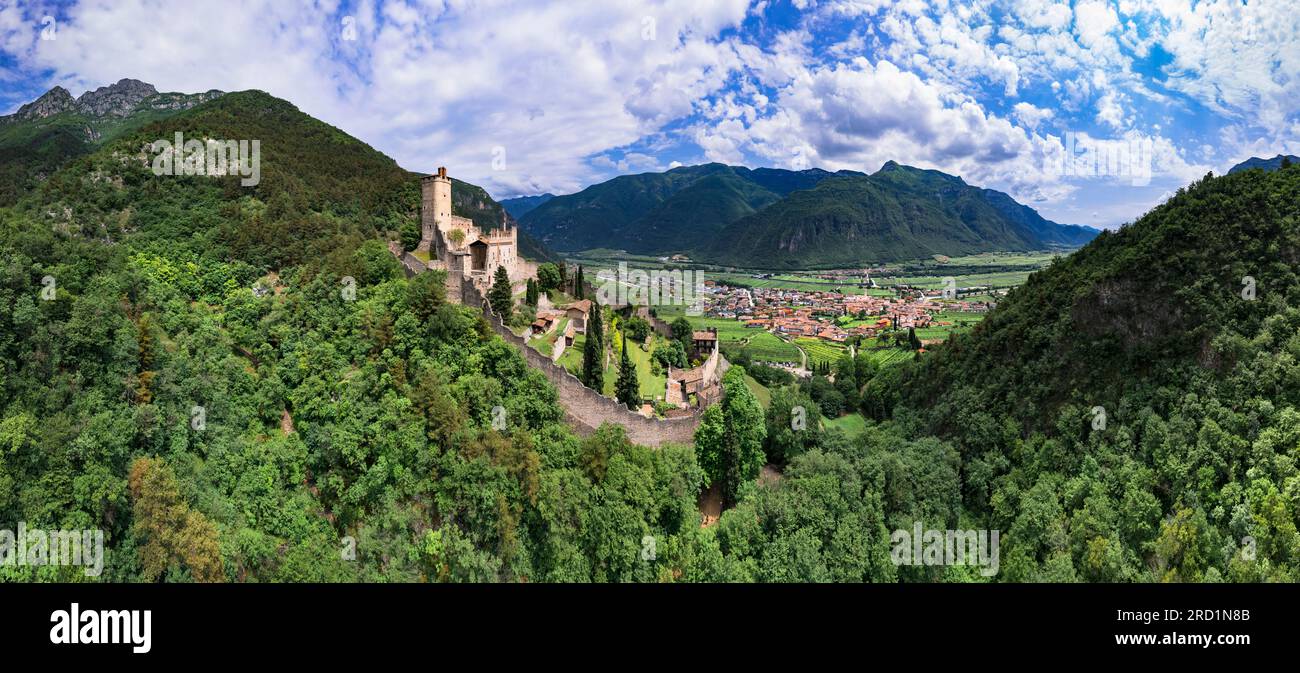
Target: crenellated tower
[{"x": 456, "y": 244}]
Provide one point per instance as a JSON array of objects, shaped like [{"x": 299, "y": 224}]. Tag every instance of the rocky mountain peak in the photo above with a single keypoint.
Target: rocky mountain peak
[
  {"x": 116, "y": 100},
  {"x": 52, "y": 102}
]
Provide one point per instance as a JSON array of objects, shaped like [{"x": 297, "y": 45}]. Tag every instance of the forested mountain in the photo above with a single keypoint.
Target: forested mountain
[
  {"x": 774, "y": 218},
  {"x": 1133, "y": 411},
  {"x": 42, "y": 136},
  {"x": 1265, "y": 164},
  {"x": 521, "y": 205},
  {"x": 897, "y": 213},
  {"x": 673, "y": 211}
]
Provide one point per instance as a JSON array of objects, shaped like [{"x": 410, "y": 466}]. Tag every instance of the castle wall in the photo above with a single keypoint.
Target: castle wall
[{"x": 586, "y": 410}]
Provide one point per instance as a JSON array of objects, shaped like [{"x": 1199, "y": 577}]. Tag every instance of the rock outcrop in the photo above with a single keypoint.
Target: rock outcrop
[{"x": 113, "y": 101}]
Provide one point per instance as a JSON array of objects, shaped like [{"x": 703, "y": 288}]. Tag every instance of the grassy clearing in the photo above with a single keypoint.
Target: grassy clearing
[
  {"x": 760, "y": 391},
  {"x": 853, "y": 425}
]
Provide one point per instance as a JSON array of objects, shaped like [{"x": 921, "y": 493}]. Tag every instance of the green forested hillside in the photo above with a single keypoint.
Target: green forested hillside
[
  {"x": 674, "y": 211},
  {"x": 1191, "y": 475},
  {"x": 781, "y": 219}
]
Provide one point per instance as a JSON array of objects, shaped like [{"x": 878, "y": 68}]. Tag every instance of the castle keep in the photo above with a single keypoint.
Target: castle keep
[{"x": 455, "y": 244}]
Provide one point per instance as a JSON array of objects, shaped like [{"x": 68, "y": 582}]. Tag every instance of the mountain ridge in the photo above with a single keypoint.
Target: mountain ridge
[
  {"x": 1265, "y": 164},
  {"x": 46, "y": 134},
  {"x": 898, "y": 213},
  {"x": 731, "y": 215}
]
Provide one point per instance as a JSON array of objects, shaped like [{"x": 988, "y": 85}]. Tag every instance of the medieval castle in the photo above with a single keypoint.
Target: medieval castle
[
  {"x": 468, "y": 254},
  {"x": 471, "y": 256}
]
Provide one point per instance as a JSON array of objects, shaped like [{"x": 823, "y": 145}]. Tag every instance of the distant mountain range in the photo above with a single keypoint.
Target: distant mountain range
[
  {"x": 775, "y": 218},
  {"x": 1266, "y": 164},
  {"x": 521, "y": 205}
]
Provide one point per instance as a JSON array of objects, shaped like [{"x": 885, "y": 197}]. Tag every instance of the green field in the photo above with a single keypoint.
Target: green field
[
  {"x": 889, "y": 356},
  {"x": 995, "y": 280},
  {"x": 790, "y": 282},
  {"x": 768, "y": 347},
  {"x": 962, "y": 322},
  {"x": 1002, "y": 259},
  {"x": 733, "y": 334}
]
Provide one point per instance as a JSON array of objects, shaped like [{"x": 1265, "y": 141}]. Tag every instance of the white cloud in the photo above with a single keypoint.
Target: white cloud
[
  {"x": 1030, "y": 115},
  {"x": 430, "y": 83}
]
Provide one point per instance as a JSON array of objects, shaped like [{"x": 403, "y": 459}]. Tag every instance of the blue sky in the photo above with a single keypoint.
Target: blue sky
[{"x": 527, "y": 97}]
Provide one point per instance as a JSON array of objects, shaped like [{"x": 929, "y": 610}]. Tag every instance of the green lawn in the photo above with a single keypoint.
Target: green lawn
[
  {"x": 652, "y": 387},
  {"x": 852, "y": 424},
  {"x": 558, "y": 298},
  {"x": 546, "y": 344}
]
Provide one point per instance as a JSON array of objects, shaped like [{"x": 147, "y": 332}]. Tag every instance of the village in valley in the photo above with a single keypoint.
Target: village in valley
[{"x": 800, "y": 323}]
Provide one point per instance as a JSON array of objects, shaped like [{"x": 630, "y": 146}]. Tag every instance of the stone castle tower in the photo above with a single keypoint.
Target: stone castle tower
[{"x": 459, "y": 246}]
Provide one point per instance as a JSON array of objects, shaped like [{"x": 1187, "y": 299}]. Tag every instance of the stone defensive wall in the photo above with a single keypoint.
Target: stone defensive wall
[{"x": 586, "y": 410}]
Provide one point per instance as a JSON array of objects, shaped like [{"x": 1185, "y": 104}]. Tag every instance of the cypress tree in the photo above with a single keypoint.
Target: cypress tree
[
  {"x": 530, "y": 293},
  {"x": 627, "y": 390},
  {"x": 593, "y": 371},
  {"x": 501, "y": 297}
]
